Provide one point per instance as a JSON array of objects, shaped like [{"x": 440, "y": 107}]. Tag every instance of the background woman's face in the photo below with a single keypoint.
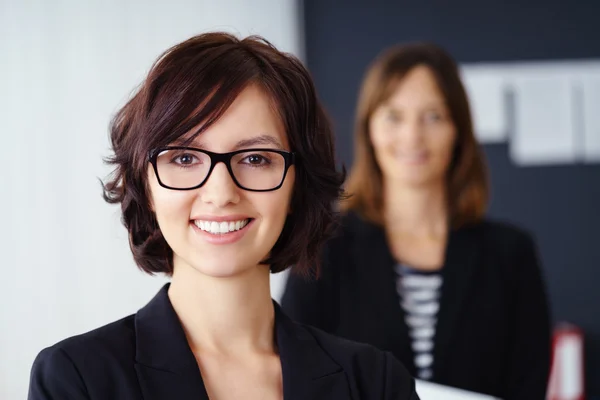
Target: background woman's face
[{"x": 412, "y": 132}]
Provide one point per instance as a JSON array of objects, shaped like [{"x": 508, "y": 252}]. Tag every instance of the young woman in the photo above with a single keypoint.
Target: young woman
[
  {"x": 417, "y": 269},
  {"x": 225, "y": 173}
]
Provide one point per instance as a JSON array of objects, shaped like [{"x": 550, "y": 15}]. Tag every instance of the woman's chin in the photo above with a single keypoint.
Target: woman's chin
[
  {"x": 218, "y": 263},
  {"x": 222, "y": 270},
  {"x": 418, "y": 180}
]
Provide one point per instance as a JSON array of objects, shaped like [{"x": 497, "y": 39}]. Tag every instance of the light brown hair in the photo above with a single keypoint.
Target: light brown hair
[{"x": 467, "y": 179}]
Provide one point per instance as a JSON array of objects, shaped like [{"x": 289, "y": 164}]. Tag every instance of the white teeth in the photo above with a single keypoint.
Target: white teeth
[
  {"x": 224, "y": 226},
  {"x": 217, "y": 228}
]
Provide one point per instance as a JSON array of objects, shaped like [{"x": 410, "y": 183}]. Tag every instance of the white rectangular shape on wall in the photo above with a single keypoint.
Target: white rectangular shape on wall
[
  {"x": 544, "y": 122},
  {"x": 556, "y": 122},
  {"x": 591, "y": 118},
  {"x": 486, "y": 90}
]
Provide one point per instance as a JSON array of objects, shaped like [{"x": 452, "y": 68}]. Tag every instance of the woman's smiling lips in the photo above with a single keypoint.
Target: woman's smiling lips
[{"x": 221, "y": 229}]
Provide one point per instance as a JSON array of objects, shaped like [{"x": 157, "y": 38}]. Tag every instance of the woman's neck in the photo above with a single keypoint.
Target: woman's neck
[
  {"x": 416, "y": 211},
  {"x": 225, "y": 314}
]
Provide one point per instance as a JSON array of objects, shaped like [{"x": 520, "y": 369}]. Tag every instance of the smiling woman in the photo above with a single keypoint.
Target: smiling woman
[
  {"x": 225, "y": 172},
  {"x": 247, "y": 96}
]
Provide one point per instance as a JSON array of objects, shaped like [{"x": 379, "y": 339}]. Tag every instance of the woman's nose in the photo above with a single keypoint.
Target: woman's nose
[{"x": 220, "y": 189}]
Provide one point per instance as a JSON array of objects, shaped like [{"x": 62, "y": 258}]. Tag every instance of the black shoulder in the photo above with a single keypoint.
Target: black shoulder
[
  {"x": 350, "y": 226},
  {"x": 116, "y": 338},
  {"x": 59, "y": 371},
  {"x": 372, "y": 372},
  {"x": 513, "y": 251},
  {"x": 54, "y": 375},
  {"x": 346, "y": 223},
  {"x": 506, "y": 234},
  {"x": 350, "y": 221}
]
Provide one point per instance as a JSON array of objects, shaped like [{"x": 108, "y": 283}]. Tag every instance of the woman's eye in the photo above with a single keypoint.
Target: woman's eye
[
  {"x": 256, "y": 159},
  {"x": 184, "y": 159},
  {"x": 392, "y": 117},
  {"x": 433, "y": 117}
]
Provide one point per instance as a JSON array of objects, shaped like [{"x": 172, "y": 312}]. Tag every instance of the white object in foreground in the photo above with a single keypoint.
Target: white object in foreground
[{"x": 433, "y": 391}]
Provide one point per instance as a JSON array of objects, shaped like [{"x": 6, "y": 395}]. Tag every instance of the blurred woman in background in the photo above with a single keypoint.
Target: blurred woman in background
[{"x": 417, "y": 269}]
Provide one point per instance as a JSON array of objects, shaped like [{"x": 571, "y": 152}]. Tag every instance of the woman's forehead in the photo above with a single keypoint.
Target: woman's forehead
[{"x": 251, "y": 120}]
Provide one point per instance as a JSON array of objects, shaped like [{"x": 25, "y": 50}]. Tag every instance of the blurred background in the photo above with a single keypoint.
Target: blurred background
[{"x": 532, "y": 70}]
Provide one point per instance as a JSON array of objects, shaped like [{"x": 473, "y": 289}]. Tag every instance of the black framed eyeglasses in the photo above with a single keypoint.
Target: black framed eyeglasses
[{"x": 187, "y": 168}]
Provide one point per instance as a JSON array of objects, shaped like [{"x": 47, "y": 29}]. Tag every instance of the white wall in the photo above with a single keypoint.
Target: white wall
[{"x": 65, "y": 68}]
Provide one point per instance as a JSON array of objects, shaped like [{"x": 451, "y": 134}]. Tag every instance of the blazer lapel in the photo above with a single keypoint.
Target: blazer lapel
[
  {"x": 167, "y": 369},
  {"x": 308, "y": 371},
  {"x": 167, "y": 385},
  {"x": 376, "y": 264},
  {"x": 165, "y": 365},
  {"x": 462, "y": 256}
]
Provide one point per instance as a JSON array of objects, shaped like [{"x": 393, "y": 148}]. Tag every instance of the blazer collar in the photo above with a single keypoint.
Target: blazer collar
[
  {"x": 463, "y": 253},
  {"x": 167, "y": 368},
  {"x": 165, "y": 364},
  {"x": 308, "y": 371},
  {"x": 376, "y": 267}
]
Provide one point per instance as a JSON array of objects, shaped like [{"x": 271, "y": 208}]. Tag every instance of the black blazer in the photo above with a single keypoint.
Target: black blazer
[
  {"x": 146, "y": 356},
  {"x": 493, "y": 328}
]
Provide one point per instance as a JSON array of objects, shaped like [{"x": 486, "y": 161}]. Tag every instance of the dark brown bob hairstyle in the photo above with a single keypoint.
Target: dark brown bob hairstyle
[
  {"x": 191, "y": 85},
  {"x": 467, "y": 179}
]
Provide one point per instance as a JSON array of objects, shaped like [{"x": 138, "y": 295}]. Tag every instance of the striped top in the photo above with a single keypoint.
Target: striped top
[{"x": 419, "y": 297}]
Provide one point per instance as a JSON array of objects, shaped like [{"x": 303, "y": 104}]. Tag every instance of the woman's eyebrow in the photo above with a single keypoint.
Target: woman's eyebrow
[
  {"x": 259, "y": 140},
  {"x": 264, "y": 139}
]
